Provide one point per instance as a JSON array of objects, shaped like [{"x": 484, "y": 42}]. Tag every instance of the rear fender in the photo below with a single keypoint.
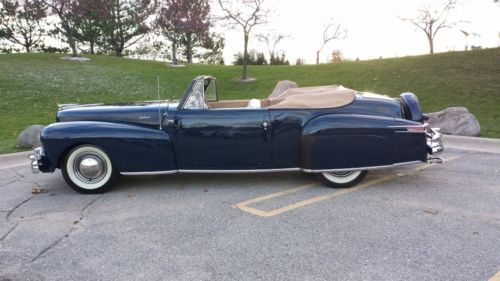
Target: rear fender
[
  {"x": 342, "y": 141},
  {"x": 411, "y": 107},
  {"x": 131, "y": 148}
]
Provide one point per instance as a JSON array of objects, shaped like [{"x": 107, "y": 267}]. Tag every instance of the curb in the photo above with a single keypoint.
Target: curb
[
  {"x": 14, "y": 159},
  {"x": 12, "y": 156},
  {"x": 472, "y": 143}
]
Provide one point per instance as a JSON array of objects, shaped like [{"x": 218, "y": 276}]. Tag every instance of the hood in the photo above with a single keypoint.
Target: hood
[{"x": 145, "y": 113}]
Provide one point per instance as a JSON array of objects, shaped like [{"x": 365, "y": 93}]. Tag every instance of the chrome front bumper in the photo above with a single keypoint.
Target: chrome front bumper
[
  {"x": 35, "y": 157},
  {"x": 434, "y": 141}
]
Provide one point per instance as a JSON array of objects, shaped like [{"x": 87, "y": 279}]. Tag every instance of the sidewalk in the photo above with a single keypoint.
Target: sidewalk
[
  {"x": 15, "y": 159},
  {"x": 472, "y": 143}
]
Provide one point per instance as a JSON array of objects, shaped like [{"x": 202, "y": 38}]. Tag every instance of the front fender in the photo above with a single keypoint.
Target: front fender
[{"x": 131, "y": 148}]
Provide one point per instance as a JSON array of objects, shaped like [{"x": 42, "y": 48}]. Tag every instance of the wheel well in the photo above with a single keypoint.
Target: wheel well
[{"x": 66, "y": 151}]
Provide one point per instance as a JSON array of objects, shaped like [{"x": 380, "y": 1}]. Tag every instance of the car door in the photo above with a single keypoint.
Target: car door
[{"x": 223, "y": 139}]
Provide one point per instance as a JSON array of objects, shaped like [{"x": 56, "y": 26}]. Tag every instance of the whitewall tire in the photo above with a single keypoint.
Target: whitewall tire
[
  {"x": 88, "y": 169},
  {"x": 342, "y": 179}
]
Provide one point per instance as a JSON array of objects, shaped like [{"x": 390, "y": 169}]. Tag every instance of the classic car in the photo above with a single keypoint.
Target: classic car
[{"x": 337, "y": 133}]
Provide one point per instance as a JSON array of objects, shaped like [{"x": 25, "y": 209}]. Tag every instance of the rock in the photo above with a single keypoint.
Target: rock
[
  {"x": 455, "y": 121},
  {"x": 30, "y": 137},
  {"x": 281, "y": 87}
]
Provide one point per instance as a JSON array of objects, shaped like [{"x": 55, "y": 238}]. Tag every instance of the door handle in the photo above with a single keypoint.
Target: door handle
[
  {"x": 172, "y": 122},
  {"x": 265, "y": 124}
]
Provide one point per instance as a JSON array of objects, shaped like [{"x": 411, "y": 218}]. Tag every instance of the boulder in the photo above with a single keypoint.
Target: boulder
[
  {"x": 455, "y": 121},
  {"x": 30, "y": 137},
  {"x": 282, "y": 86}
]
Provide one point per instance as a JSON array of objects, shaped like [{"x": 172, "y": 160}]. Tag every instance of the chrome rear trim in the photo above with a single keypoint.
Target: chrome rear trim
[
  {"x": 361, "y": 168},
  {"x": 434, "y": 141}
]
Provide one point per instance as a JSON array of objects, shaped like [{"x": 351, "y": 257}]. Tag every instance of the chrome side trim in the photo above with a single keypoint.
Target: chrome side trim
[
  {"x": 149, "y": 173},
  {"x": 408, "y": 132},
  {"x": 264, "y": 170},
  {"x": 240, "y": 171},
  {"x": 361, "y": 168}
]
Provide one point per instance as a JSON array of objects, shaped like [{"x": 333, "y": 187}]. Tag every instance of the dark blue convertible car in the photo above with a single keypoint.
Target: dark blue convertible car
[{"x": 334, "y": 132}]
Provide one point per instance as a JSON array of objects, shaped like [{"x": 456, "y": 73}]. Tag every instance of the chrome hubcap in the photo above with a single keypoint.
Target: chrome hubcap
[{"x": 90, "y": 168}]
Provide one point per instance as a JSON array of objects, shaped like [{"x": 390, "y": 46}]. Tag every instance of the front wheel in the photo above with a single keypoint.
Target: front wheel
[
  {"x": 88, "y": 169},
  {"x": 342, "y": 179}
]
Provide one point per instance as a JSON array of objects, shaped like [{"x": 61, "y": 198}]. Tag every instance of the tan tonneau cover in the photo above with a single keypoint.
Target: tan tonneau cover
[{"x": 313, "y": 97}]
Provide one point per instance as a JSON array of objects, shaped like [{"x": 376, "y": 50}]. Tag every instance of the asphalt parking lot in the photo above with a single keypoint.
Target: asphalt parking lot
[{"x": 418, "y": 222}]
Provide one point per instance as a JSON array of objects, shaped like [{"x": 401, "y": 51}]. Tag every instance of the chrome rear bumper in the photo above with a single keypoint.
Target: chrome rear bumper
[
  {"x": 35, "y": 157},
  {"x": 434, "y": 141}
]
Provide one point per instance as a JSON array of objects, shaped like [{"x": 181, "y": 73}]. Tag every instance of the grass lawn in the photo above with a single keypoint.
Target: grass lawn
[{"x": 31, "y": 85}]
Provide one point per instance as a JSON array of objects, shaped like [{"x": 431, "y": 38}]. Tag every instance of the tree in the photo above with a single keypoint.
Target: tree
[
  {"x": 253, "y": 58},
  {"x": 339, "y": 33},
  {"x": 431, "y": 20},
  {"x": 214, "y": 45},
  {"x": 124, "y": 23},
  {"x": 64, "y": 10},
  {"x": 337, "y": 56},
  {"x": 245, "y": 14},
  {"x": 272, "y": 40},
  {"x": 279, "y": 59},
  {"x": 20, "y": 22},
  {"x": 299, "y": 61},
  {"x": 196, "y": 30},
  {"x": 185, "y": 22},
  {"x": 88, "y": 16}
]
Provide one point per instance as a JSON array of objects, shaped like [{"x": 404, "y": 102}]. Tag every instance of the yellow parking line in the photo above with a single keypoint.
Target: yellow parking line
[
  {"x": 277, "y": 194},
  {"x": 244, "y": 205},
  {"x": 327, "y": 196},
  {"x": 495, "y": 277}
]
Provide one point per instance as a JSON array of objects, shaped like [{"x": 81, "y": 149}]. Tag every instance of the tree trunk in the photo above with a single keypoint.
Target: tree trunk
[
  {"x": 189, "y": 49},
  {"x": 120, "y": 45},
  {"x": 245, "y": 56},
  {"x": 92, "y": 47},
  {"x": 72, "y": 45},
  {"x": 27, "y": 47},
  {"x": 431, "y": 44},
  {"x": 317, "y": 56},
  {"x": 174, "y": 52}
]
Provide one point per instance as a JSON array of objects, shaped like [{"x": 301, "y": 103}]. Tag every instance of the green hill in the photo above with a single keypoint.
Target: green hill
[{"x": 31, "y": 85}]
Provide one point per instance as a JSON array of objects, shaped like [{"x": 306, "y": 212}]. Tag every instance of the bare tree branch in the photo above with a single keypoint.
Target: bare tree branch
[
  {"x": 272, "y": 39},
  {"x": 245, "y": 14},
  {"x": 339, "y": 33},
  {"x": 430, "y": 20}
]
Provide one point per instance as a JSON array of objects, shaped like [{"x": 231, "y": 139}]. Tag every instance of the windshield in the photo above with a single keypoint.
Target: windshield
[
  {"x": 196, "y": 98},
  {"x": 210, "y": 90},
  {"x": 203, "y": 90}
]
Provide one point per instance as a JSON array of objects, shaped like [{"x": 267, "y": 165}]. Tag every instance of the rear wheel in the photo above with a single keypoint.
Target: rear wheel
[
  {"x": 342, "y": 179},
  {"x": 88, "y": 169}
]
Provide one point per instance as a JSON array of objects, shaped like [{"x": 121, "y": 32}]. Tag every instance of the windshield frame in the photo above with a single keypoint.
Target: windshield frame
[{"x": 207, "y": 81}]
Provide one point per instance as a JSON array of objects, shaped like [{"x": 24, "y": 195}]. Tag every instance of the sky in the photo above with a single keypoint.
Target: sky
[{"x": 375, "y": 28}]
